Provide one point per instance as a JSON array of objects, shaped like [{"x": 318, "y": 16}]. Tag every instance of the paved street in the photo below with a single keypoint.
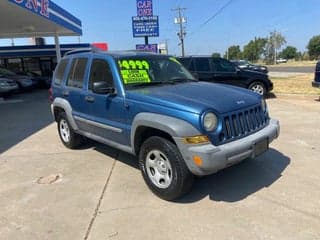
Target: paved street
[
  {"x": 291, "y": 69},
  {"x": 98, "y": 193}
]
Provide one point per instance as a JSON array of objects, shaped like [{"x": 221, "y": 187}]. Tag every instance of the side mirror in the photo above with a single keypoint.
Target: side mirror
[{"x": 103, "y": 88}]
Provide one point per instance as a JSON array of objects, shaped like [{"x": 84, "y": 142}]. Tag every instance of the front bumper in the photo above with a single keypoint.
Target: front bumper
[
  {"x": 215, "y": 158},
  {"x": 270, "y": 88},
  {"x": 316, "y": 84}
]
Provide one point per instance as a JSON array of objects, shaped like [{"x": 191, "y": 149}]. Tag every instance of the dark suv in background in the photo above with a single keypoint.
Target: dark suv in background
[
  {"x": 244, "y": 64},
  {"x": 220, "y": 70},
  {"x": 316, "y": 82}
]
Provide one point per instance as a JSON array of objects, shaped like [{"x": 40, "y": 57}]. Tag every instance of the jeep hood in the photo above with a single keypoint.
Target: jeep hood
[{"x": 196, "y": 97}]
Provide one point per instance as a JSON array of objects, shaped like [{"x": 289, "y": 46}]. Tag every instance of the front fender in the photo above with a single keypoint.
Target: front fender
[{"x": 173, "y": 126}]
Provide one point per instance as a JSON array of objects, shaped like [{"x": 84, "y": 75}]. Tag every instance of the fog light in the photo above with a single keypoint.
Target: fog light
[
  {"x": 197, "y": 160},
  {"x": 196, "y": 139}
]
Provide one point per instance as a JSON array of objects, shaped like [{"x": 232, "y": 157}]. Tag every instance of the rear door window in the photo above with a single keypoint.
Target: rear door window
[
  {"x": 60, "y": 71},
  {"x": 202, "y": 64},
  {"x": 222, "y": 65},
  {"x": 77, "y": 71}
]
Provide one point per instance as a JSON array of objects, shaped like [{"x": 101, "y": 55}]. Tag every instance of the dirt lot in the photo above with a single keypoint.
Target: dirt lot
[
  {"x": 98, "y": 192},
  {"x": 294, "y": 84}
]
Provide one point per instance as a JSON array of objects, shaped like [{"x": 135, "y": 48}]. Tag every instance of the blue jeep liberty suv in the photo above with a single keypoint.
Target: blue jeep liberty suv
[{"x": 149, "y": 105}]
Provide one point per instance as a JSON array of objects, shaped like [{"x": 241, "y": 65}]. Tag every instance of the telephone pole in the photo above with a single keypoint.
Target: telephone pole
[{"x": 182, "y": 33}]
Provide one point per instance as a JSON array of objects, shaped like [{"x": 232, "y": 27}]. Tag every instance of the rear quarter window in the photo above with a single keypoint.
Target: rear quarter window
[
  {"x": 77, "y": 71},
  {"x": 61, "y": 68}
]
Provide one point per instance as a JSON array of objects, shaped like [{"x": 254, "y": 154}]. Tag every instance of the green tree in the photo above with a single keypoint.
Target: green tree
[
  {"x": 314, "y": 47},
  {"x": 289, "y": 52},
  {"x": 233, "y": 53},
  {"x": 275, "y": 42},
  {"x": 254, "y": 49},
  {"x": 216, "y": 55}
]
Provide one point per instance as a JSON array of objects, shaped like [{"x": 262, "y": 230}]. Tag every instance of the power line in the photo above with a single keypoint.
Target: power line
[
  {"x": 178, "y": 3},
  {"x": 220, "y": 10}
]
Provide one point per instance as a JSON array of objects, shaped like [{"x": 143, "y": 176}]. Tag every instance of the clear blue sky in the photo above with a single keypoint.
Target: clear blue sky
[{"x": 242, "y": 20}]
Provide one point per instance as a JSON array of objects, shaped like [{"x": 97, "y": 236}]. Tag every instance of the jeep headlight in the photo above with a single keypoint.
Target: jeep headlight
[
  {"x": 210, "y": 121},
  {"x": 263, "y": 105}
]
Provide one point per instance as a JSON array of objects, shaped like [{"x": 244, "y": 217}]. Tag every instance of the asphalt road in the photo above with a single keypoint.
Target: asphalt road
[
  {"x": 291, "y": 69},
  {"x": 21, "y": 115}
]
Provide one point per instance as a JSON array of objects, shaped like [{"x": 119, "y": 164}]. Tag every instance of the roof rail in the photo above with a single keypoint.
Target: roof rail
[{"x": 82, "y": 50}]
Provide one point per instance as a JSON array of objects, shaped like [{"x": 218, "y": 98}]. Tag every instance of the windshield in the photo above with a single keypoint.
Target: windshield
[
  {"x": 243, "y": 62},
  {"x": 152, "y": 70}
]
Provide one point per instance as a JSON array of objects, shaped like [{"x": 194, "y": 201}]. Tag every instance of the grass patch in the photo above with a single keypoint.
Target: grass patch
[{"x": 299, "y": 84}]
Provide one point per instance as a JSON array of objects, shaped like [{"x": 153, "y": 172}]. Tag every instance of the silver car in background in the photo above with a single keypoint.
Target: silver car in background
[
  {"x": 7, "y": 86},
  {"x": 24, "y": 82}
]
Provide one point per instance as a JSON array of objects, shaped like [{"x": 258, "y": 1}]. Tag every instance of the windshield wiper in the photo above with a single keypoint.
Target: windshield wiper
[{"x": 178, "y": 80}]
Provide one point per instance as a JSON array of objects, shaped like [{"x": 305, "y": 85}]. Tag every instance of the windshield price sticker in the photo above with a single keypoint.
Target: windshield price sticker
[
  {"x": 134, "y": 71},
  {"x": 135, "y": 76},
  {"x": 133, "y": 64}
]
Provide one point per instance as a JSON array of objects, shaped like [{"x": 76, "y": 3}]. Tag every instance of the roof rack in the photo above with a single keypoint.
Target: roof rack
[{"x": 82, "y": 50}]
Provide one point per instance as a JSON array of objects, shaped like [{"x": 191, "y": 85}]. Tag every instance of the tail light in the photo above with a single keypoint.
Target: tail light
[{"x": 50, "y": 95}]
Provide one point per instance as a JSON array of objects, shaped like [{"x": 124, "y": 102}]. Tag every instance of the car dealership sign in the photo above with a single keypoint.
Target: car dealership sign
[
  {"x": 145, "y": 26},
  {"x": 147, "y": 47},
  {"x": 40, "y": 7},
  {"x": 144, "y": 8}
]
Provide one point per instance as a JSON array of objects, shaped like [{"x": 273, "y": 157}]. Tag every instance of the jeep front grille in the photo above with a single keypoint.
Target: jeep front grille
[{"x": 242, "y": 123}]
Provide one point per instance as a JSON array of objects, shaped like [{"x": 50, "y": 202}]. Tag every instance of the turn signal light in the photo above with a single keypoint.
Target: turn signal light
[{"x": 197, "y": 160}]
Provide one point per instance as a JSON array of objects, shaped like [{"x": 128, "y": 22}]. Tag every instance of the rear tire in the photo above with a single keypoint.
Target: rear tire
[
  {"x": 164, "y": 169},
  {"x": 67, "y": 135},
  {"x": 258, "y": 87}
]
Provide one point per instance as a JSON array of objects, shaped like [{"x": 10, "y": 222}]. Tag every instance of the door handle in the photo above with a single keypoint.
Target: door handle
[
  {"x": 89, "y": 99},
  {"x": 65, "y": 93}
]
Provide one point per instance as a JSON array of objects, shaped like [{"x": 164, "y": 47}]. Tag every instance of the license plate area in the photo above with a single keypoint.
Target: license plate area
[{"x": 261, "y": 146}]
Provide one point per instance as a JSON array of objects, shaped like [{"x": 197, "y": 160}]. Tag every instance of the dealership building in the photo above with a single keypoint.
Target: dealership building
[{"x": 37, "y": 19}]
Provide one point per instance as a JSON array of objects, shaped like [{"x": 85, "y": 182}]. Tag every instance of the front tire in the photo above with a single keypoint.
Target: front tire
[
  {"x": 258, "y": 87},
  {"x": 164, "y": 169},
  {"x": 67, "y": 135}
]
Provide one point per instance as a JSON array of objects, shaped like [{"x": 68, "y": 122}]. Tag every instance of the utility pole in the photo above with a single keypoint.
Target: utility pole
[{"x": 182, "y": 33}]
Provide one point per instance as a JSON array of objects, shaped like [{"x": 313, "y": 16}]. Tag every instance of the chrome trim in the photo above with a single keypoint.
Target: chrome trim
[{"x": 100, "y": 125}]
